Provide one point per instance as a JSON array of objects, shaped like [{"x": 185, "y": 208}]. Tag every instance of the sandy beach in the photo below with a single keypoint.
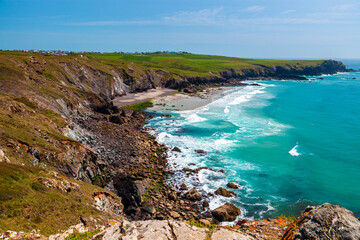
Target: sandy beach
[
  {"x": 132, "y": 98},
  {"x": 185, "y": 101}
]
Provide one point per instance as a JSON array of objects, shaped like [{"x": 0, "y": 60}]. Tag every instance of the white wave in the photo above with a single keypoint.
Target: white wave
[
  {"x": 247, "y": 97},
  {"x": 193, "y": 118},
  {"x": 226, "y": 110},
  {"x": 294, "y": 151}
]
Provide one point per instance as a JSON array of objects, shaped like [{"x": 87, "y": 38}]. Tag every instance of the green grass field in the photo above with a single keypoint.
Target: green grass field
[{"x": 187, "y": 64}]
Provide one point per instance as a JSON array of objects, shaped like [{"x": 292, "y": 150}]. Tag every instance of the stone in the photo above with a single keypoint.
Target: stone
[
  {"x": 201, "y": 152},
  {"x": 205, "y": 222},
  {"x": 176, "y": 149},
  {"x": 225, "y": 193},
  {"x": 226, "y": 212},
  {"x": 226, "y": 234},
  {"x": 193, "y": 195},
  {"x": 149, "y": 209},
  {"x": 232, "y": 185},
  {"x": 326, "y": 221},
  {"x": 106, "y": 202},
  {"x": 3, "y": 158},
  {"x": 205, "y": 204},
  {"x": 183, "y": 187},
  {"x": 174, "y": 214},
  {"x": 173, "y": 196}
]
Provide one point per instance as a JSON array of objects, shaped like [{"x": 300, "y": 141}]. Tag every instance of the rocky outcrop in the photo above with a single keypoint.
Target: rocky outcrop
[
  {"x": 226, "y": 212},
  {"x": 106, "y": 202},
  {"x": 225, "y": 193},
  {"x": 193, "y": 195},
  {"x": 324, "y": 222},
  {"x": 232, "y": 185}
]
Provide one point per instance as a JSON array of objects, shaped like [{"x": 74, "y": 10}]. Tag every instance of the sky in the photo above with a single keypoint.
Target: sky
[{"x": 239, "y": 28}]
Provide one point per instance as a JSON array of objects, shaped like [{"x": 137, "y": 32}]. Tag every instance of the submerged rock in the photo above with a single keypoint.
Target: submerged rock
[
  {"x": 193, "y": 195},
  {"x": 324, "y": 222},
  {"x": 176, "y": 149},
  {"x": 226, "y": 212},
  {"x": 223, "y": 192},
  {"x": 232, "y": 185}
]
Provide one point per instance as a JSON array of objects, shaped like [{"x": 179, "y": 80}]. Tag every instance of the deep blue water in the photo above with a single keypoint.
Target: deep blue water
[{"x": 288, "y": 144}]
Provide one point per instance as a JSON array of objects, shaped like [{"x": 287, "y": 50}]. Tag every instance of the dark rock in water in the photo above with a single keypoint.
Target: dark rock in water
[
  {"x": 353, "y": 78},
  {"x": 226, "y": 212},
  {"x": 193, "y": 195},
  {"x": 201, "y": 152},
  {"x": 205, "y": 204},
  {"x": 324, "y": 222},
  {"x": 321, "y": 78},
  {"x": 223, "y": 192},
  {"x": 183, "y": 187},
  {"x": 166, "y": 116},
  {"x": 176, "y": 149},
  {"x": 232, "y": 185}
]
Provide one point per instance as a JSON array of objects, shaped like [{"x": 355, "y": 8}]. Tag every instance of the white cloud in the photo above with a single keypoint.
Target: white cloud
[
  {"x": 288, "y": 11},
  {"x": 224, "y": 17},
  {"x": 255, "y": 8},
  {"x": 201, "y": 17}
]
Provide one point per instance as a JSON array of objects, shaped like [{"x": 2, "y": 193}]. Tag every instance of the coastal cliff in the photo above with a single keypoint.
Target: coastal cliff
[{"x": 64, "y": 142}]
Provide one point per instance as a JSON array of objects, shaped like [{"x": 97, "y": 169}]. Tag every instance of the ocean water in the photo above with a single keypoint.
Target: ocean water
[{"x": 288, "y": 144}]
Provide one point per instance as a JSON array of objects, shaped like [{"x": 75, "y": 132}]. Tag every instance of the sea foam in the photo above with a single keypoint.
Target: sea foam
[{"x": 294, "y": 151}]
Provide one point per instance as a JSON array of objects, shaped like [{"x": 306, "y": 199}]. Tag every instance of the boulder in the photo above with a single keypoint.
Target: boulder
[
  {"x": 324, "y": 222},
  {"x": 200, "y": 152},
  {"x": 183, "y": 187},
  {"x": 3, "y": 158},
  {"x": 226, "y": 212},
  {"x": 232, "y": 185},
  {"x": 176, "y": 149},
  {"x": 193, "y": 195},
  {"x": 223, "y": 192}
]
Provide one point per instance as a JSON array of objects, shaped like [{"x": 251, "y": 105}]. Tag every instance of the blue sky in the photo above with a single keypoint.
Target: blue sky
[{"x": 240, "y": 28}]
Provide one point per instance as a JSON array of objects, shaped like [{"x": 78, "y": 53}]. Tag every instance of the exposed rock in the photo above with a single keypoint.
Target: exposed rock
[
  {"x": 176, "y": 149},
  {"x": 149, "y": 209},
  {"x": 60, "y": 184},
  {"x": 324, "y": 222},
  {"x": 3, "y": 158},
  {"x": 11, "y": 235},
  {"x": 232, "y": 185},
  {"x": 174, "y": 214},
  {"x": 205, "y": 222},
  {"x": 201, "y": 152},
  {"x": 154, "y": 229},
  {"x": 79, "y": 228},
  {"x": 226, "y": 212},
  {"x": 183, "y": 187},
  {"x": 226, "y": 234},
  {"x": 108, "y": 203},
  {"x": 223, "y": 192},
  {"x": 205, "y": 204},
  {"x": 127, "y": 190},
  {"x": 193, "y": 195}
]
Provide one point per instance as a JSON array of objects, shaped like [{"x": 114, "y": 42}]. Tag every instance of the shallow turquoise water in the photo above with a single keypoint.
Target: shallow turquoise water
[{"x": 287, "y": 143}]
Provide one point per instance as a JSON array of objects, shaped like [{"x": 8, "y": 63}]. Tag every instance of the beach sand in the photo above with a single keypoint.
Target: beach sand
[
  {"x": 185, "y": 101},
  {"x": 132, "y": 98}
]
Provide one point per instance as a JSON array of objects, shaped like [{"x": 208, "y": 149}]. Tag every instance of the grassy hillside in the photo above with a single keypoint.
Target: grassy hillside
[{"x": 194, "y": 64}]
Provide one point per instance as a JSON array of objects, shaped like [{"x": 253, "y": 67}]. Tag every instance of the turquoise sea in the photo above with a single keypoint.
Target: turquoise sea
[{"x": 288, "y": 144}]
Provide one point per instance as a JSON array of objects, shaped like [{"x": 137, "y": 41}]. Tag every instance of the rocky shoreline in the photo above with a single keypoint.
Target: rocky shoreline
[{"x": 72, "y": 134}]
